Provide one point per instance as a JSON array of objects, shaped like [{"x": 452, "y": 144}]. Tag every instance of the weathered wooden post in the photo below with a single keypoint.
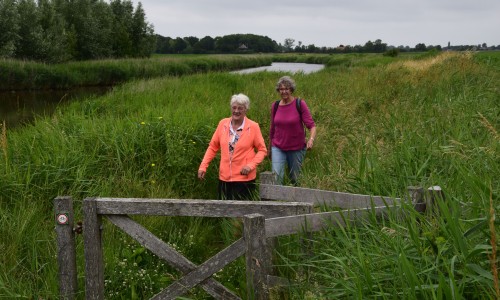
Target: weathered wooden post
[
  {"x": 258, "y": 261},
  {"x": 66, "y": 247},
  {"x": 94, "y": 261},
  {"x": 417, "y": 198},
  {"x": 267, "y": 177}
]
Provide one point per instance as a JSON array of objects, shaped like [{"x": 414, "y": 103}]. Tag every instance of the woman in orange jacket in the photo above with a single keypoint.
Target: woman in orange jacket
[{"x": 242, "y": 149}]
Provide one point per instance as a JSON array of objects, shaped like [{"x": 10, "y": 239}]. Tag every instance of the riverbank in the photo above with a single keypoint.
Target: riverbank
[{"x": 25, "y": 75}]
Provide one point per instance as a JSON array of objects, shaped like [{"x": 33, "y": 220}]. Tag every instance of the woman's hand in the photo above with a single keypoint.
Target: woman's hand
[
  {"x": 245, "y": 170},
  {"x": 310, "y": 143},
  {"x": 201, "y": 174}
]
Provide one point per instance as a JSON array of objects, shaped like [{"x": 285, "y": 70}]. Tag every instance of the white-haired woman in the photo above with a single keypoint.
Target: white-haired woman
[{"x": 242, "y": 148}]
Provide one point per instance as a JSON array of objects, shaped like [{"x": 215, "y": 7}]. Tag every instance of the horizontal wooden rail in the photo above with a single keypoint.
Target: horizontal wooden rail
[
  {"x": 323, "y": 198},
  {"x": 318, "y": 221},
  {"x": 198, "y": 208}
]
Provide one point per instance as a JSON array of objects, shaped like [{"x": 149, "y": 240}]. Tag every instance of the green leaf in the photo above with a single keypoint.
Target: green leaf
[{"x": 480, "y": 271}]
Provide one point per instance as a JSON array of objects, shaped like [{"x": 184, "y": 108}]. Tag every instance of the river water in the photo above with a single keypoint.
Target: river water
[
  {"x": 22, "y": 107},
  {"x": 285, "y": 67}
]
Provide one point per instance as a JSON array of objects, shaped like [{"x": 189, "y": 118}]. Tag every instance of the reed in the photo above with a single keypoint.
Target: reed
[
  {"x": 28, "y": 75},
  {"x": 3, "y": 141}
]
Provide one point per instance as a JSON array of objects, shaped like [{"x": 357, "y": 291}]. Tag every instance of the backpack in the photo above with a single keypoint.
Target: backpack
[{"x": 297, "y": 105}]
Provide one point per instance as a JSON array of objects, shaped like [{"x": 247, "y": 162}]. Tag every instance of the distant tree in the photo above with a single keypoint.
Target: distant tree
[
  {"x": 257, "y": 43},
  {"x": 122, "y": 27},
  {"x": 299, "y": 47},
  {"x": 227, "y": 43},
  {"x": 205, "y": 45},
  {"x": 191, "y": 40},
  {"x": 368, "y": 47},
  {"x": 100, "y": 30},
  {"x": 9, "y": 28},
  {"x": 163, "y": 44},
  {"x": 288, "y": 44},
  {"x": 311, "y": 48},
  {"x": 30, "y": 32},
  {"x": 57, "y": 42},
  {"x": 420, "y": 47},
  {"x": 179, "y": 45},
  {"x": 379, "y": 47},
  {"x": 142, "y": 34}
]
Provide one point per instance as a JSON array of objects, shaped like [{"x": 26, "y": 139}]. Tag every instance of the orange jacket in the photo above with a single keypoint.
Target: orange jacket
[{"x": 244, "y": 151}]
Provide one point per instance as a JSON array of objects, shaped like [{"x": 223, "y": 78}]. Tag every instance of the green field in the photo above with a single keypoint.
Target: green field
[{"x": 383, "y": 124}]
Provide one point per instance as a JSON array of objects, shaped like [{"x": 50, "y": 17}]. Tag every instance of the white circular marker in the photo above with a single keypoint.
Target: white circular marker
[{"x": 62, "y": 219}]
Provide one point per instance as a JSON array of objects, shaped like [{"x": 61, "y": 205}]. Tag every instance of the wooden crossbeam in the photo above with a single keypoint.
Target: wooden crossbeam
[
  {"x": 167, "y": 253},
  {"x": 323, "y": 198},
  {"x": 203, "y": 271}
]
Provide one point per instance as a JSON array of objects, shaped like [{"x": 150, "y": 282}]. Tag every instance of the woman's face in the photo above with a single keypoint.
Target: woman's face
[
  {"x": 285, "y": 92},
  {"x": 238, "y": 112}
]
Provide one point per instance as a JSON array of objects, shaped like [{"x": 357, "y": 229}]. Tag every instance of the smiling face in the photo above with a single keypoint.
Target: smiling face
[
  {"x": 285, "y": 92},
  {"x": 238, "y": 112}
]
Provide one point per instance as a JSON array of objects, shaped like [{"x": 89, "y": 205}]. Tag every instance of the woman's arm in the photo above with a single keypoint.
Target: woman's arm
[
  {"x": 312, "y": 137},
  {"x": 213, "y": 148}
]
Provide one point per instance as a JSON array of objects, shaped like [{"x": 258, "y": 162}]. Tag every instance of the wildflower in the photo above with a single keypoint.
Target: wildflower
[
  {"x": 143, "y": 123},
  {"x": 152, "y": 165}
]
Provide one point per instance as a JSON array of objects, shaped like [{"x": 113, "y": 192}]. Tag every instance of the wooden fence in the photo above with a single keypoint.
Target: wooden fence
[{"x": 262, "y": 220}]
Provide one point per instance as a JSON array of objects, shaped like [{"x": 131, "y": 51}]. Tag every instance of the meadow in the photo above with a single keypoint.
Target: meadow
[{"x": 383, "y": 124}]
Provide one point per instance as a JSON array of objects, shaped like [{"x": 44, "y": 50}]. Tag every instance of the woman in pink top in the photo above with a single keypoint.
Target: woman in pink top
[
  {"x": 287, "y": 134},
  {"x": 242, "y": 148}
]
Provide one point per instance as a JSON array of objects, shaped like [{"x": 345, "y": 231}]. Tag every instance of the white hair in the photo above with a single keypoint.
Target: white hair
[{"x": 241, "y": 99}]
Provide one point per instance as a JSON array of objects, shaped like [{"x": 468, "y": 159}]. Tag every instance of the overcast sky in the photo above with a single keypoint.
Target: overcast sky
[{"x": 332, "y": 22}]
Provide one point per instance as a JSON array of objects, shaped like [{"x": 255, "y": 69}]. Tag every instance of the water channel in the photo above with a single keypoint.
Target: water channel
[
  {"x": 21, "y": 107},
  {"x": 285, "y": 67}
]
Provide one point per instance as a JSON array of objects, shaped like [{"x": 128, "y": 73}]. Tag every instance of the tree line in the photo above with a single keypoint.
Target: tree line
[
  {"x": 64, "y": 30},
  {"x": 233, "y": 43},
  {"x": 250, "y": 43}
]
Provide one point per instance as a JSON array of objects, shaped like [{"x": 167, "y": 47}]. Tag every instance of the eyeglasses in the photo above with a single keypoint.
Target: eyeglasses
[
  {"x": 238, "y": 108},
  {"x": 283, "y": 89}
]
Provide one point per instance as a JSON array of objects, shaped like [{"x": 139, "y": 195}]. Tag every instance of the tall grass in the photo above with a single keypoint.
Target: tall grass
[
  {"x": 25, "y": 75},
  {"x": 381, "y": 127}
]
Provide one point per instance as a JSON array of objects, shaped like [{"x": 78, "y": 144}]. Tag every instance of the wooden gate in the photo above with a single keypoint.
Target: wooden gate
[
  {"x": 262, "y": 220},
  {"x": 253, "y": 243}
]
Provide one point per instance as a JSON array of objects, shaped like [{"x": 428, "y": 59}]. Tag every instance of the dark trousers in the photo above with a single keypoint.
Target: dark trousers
[{"x": 237, "y": 190}]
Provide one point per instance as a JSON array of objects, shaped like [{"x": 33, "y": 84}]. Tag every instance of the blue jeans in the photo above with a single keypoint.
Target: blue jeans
[{"x": 292, "y": 159}]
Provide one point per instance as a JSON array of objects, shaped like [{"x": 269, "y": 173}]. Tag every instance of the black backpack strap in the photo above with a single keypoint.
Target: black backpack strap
[
  {"x": 298, "y": 105},
  {"x": 276, "y": 104}
]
